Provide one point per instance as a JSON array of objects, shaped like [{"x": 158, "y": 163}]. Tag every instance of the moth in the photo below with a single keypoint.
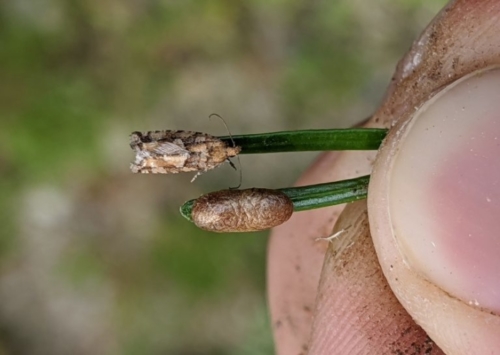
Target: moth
[
  {"x": 172, "y": 152},
  {"x": 245, "y": 210}
]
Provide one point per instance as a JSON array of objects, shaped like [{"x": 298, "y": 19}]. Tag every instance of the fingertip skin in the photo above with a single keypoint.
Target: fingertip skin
[{"x": 463, "y": 39}]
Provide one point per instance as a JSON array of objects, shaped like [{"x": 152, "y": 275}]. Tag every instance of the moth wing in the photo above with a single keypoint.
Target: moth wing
[{"x": 169, "y": 148}]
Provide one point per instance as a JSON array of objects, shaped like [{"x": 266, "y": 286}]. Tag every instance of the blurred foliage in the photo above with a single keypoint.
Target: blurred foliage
[{"x": 98, "y": 261}]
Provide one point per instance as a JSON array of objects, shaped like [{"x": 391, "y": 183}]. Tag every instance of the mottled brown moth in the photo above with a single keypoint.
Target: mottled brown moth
[
  {"x": 246, "y": 210},
  {"x": 172, "y": 152}
]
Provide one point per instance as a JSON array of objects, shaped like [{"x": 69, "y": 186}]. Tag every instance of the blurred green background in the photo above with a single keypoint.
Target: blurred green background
[{"x": 96, "y": 260}]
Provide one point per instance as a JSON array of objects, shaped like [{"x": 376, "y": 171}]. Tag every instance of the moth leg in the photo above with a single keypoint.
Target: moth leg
[{"x": 195, "y": 176}]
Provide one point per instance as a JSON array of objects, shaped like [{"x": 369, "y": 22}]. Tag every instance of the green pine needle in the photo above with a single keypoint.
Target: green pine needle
[{"x": 309, "y": 140}]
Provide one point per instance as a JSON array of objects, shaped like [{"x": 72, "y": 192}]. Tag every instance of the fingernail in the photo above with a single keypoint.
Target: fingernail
[{"x": 445, "y": 190}]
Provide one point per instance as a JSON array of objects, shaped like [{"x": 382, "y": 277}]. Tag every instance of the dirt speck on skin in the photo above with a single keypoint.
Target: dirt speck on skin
[{"x": 416, "y": 348}]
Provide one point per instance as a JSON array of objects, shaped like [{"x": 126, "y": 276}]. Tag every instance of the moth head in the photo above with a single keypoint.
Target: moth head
[{"x": 136, "y": 140}]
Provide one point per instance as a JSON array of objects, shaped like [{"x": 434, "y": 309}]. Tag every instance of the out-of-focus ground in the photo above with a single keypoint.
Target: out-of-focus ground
[{"x": 96, "y": 260}]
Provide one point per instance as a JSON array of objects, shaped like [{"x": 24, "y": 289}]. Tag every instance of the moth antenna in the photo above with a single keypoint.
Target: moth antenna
[
  {"x": 234, "y": 167},
  {"x": 241, "y": 172},
  {"x": 234, "y": 146},
  {"x": 225, "y": 124}
]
